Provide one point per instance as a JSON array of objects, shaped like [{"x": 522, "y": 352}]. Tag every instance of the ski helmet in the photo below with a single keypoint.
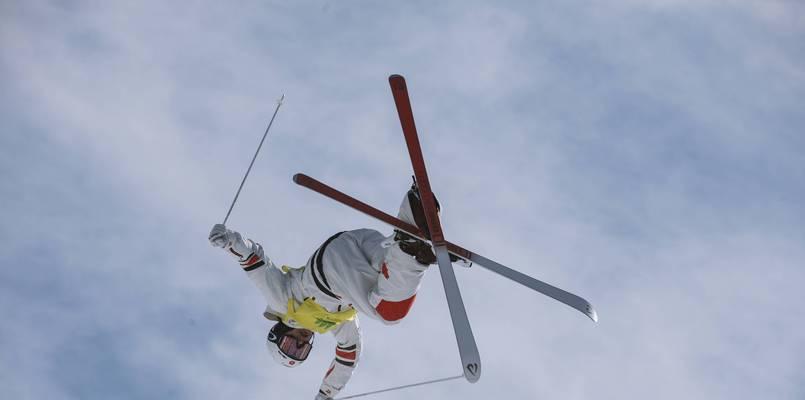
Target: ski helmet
[{"x": 284, "y": 349}]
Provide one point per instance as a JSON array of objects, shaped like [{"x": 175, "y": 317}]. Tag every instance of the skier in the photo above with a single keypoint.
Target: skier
[{"x": 353, "y": 271}]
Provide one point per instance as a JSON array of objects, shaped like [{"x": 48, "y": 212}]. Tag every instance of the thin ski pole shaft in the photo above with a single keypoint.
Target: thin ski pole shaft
[
  {"x": 401, "y": 387},
  {"x": 279, "y": 103}
]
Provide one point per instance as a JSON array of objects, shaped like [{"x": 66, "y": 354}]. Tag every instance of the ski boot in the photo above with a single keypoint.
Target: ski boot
[{"x": 411, "y": 211}]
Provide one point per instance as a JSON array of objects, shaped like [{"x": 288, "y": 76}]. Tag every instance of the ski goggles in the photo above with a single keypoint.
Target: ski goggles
[{"x": 289, "y": 346}]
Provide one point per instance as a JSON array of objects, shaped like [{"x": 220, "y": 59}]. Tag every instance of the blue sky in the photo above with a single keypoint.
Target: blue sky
[{"x": 646, "y": 155}]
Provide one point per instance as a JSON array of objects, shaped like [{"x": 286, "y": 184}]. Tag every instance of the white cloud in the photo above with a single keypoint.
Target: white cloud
[{"x": 641, "y": 155}]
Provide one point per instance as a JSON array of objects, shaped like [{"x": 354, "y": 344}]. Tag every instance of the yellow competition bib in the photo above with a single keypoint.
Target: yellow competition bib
[{"x": 311, "y": 315}]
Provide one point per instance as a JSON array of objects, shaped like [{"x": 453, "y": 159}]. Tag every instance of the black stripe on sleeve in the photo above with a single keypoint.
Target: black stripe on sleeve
[
  {"x": 349, "y": 348},
  {"x": 255, "y": 266},
  {"x": 345, "y": 363}
]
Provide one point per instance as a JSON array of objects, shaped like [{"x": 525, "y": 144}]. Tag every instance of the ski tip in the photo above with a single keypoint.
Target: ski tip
[
  {"x": 591, "y": 313},
  {"x": 397, "y": 82}
]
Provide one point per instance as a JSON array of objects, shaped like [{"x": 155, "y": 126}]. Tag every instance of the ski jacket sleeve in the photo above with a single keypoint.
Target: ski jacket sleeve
[
  {"x": 268, "y": 279},
  {"x": 347, "y": 353}
]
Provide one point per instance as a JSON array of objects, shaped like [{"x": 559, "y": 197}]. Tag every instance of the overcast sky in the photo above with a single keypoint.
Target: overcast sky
[{"x": 646, "y": 155}]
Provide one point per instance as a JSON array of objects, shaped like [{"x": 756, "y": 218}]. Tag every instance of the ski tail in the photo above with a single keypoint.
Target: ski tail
[{"x": 551, "y": 291}]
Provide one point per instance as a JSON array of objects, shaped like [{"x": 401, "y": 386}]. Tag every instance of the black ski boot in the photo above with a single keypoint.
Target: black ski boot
[{"x": 411, "y": 211}]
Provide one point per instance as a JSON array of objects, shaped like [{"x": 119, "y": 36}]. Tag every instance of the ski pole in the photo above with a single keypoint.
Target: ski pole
[
  {"x": 279, "y": 103},
  {"x": 401, "y": 387}
]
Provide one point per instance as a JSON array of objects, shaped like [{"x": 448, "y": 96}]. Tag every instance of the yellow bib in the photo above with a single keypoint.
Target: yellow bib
[{"x": 311, "y": 315}]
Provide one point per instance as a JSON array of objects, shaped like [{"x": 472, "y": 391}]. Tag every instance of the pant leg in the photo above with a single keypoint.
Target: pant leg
[{"x": 397, "y": 285}]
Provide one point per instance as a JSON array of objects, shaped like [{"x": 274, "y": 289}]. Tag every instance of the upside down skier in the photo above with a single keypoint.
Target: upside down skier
[{"x": 353, "y": 271}]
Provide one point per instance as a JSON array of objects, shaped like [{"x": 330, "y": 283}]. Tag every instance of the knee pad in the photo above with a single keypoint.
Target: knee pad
[{"x": 394, "y": 311}]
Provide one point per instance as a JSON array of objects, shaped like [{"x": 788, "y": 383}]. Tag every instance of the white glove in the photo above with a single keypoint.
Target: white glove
[{"x": 219, "y": 236}]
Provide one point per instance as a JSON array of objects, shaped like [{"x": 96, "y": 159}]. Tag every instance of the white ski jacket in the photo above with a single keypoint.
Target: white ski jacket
[{"x": 340, "y": 274}]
